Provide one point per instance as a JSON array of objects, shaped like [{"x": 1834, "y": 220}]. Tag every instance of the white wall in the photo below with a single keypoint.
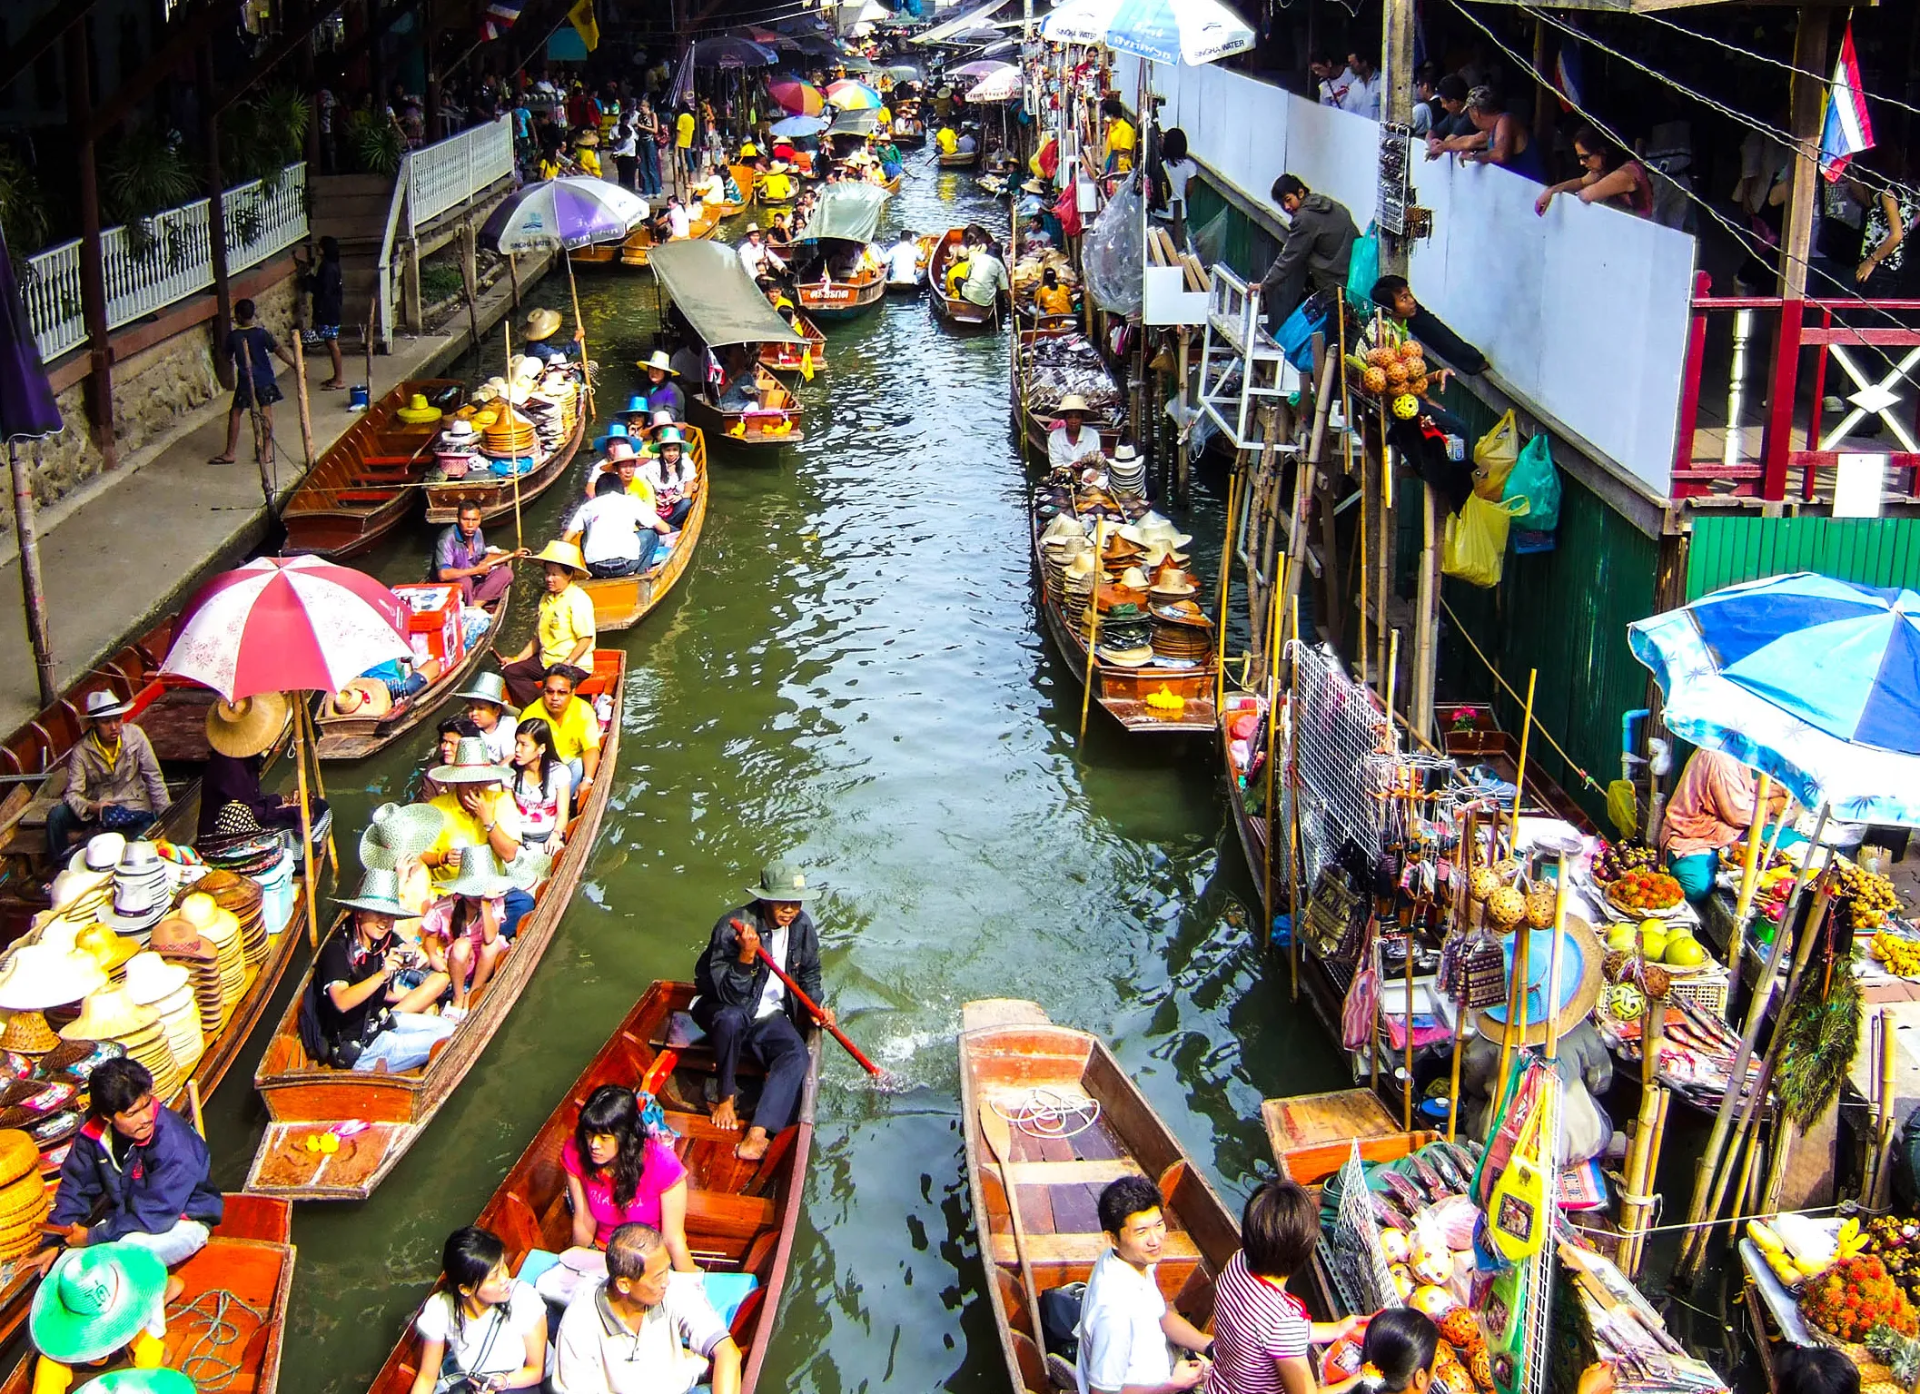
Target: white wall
[{"x": 1584, "y": 312}]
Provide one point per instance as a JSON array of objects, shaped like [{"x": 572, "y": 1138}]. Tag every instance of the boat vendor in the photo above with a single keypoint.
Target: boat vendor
[
  {"x": 541, "y": 326},
  {"x": 576, "y": 730},
  {"x": 664, "y": 394},
  {"x": 1050, "y": 297},
  {"x": 114, "y": 782},
  {"x": 364, "y": 1016},
  {"x": 743, "y": 1006},
  {"x": 235, "y": 812},
  {"x": 986, "y": 277},
  {"x": 462, "y": 557},
  {"x": 565, "y": 632},
  {"x": 947, "y": 140},
  {"x": 958, "y": 266},
  {"x": 1072, "y": 441},
  {"x": 776, "y": 185},
  {"x": 139, "y": 1168},
  {"x": 671, "y": 476},
  {"x": 486, "y": 699},
  {"x": 1712, "y": 809},
  {"x": 643, "y": 1330},
  {"x": 890, "y": 162}
]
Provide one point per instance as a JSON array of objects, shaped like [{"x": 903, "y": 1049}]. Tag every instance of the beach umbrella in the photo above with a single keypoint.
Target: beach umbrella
[
  {"x": 770, "y": 38},
  {"x": 730, "y": 51},
  {"x": 996, "y": 87},
  {"x": 1160, "y": 31},
  {"x": 797, "y": 97},
  {"x": 904, "y": 72},
  {"x": 1811, "y": 680},
  {"x": 566, "y": 213},
  {"x": 981, "y": 68},
  {"x": 849, "y": 95},
  {"x": 27, "y": 412},
  {"x": 799, "y": 127}
]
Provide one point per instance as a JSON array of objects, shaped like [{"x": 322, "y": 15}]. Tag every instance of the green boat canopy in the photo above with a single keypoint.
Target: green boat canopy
[
  {"x": 850, "y": 212},
  {"x": 855, "y": 123},
  {"x": 718, "y": 297}
]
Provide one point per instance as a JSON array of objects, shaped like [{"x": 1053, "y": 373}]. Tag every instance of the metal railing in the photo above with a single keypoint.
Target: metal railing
[
  {"x": 163, "y": 260},
  {"x": 456, "y": 169}
]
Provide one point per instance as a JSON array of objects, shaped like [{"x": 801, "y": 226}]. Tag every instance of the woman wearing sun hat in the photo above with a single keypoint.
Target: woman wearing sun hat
[
  {"x": 671, "y": 476},
  {"x": 566, "y": 631},
  {"x": 542, "y": 325},
  {"x": 232, "y": 803},
  {"x": 663, "y": 393},
  {"x": 1072, "y": 441},
  {"x": 364, "y": 1017}
]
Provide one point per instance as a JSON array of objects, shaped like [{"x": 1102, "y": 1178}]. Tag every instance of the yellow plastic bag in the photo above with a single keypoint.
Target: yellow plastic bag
[
  {"x": 1494, "y": 455},
  {"x": 1476, "y": 543}
]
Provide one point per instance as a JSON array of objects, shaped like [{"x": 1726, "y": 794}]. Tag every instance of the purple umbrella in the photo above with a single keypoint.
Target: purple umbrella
[
  {"x": 575, "y": 211},
  {"x": 27, "y": 412}
]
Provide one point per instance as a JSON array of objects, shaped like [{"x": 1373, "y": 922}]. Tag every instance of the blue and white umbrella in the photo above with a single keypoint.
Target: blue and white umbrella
[
  {"x": 1160, "y": 31},
  {"x": 1811, "y": 680},
  {"x": 799, "y": 127}
]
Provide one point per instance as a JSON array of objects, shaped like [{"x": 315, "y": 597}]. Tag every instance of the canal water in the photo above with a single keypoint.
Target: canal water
[{"x": 850, "y": 674}]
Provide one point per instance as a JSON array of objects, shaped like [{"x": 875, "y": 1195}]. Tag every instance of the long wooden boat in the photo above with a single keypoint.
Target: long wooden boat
[
  {"x": 1037, "y": 423},
  {"x": 831, "y": 300},
  {"x": 791, "y": 358},
  {"x": 249, "y": 1256},
  {"x": 909, "y": 132},
  {"x": 741, "y": 1216},
  {"x": 640, "y": 242},
  {"x": 924, "y": 245},
  {"x": 961, "y": 159},
  {"x": 1009, "y": 1051},
  {"x": 954, "y": 310},
  {"x": 1122, "y": 692},
  {"x": 496, "y": 494},
  {"x": 774, "y": 422},
  {"x": 1251, "y": 827},
  {"x": 747, "y": 179},
  {"x": 356, "y": 737},
  {"x": 620, "y": 602},
  {"x": 363, "y": 487},
  {"x": 305, "y": 1098}
]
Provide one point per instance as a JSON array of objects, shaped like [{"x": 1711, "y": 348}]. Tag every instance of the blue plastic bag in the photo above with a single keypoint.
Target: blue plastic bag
[
  {"x": 1295, "y": 336},
  {"x": 1534, "y": 482},
  {"x": 1363, "y": 269}
]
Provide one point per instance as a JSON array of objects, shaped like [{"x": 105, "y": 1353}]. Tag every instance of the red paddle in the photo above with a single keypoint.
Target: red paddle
[{"x": 810, "y": 1005}]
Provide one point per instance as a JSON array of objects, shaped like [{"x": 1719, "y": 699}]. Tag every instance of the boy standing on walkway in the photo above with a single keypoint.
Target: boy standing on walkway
[{"x": 251, "y": 348}]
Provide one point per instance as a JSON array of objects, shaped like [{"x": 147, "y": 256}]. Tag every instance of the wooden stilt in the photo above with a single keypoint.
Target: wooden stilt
[
  {"x": 306, "y": 408},
  {"x": 306, "y": 820},
  {"x": 1226, "y": 587},
  {"x": 30, "y": 582},
  {"x": 1273, "y": 725}
]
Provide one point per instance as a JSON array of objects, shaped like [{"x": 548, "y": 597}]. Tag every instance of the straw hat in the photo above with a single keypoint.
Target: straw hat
[
  {"x": 210, "y": 919},
  {"x": 460, "y": 433},
  {"x": 150, "y": 979},
  {"x": 250, "y": 725},
  {"x": 1062, "y": 528},
  {"x": 783, "y": 883},
  {"x": 636, "y": 405},
  {"x": 1073, "y": 401},
  {"x": 363, "y": 697},
  {"x": 109, "y": 1015},
  {"x": 27, "y": 1033},
  {"x": 1081, "y": 565},
  {"x": 669, "y": 435},
  {"x": 108, "y": 949},
  {"x": 42, "y": 976},
  {"x": 480, "y": 875},
  {"x": 471, "y": 765},
  {"x": 615, "y": 431},
  {"x": 1581, "y": 979},
  {"x": 102, "y": 703},
  {"x": 562, "y": 554},
  {"x": 70, "y": 887},
  {"x": 618, "y": 449},
  {"x": 586, "y": 139},
  {"x": 1133, "y": 578},
  {"x": 487, "y": 687},
  {"x": 379, "y": 892},
  {"x": 658, "y": 360},
  {"x": 397, "y": 832},
  {"x": 526, "y": 368},
  {"x": 95, "y": 1300},
  {"x": 175, "y": 937}
]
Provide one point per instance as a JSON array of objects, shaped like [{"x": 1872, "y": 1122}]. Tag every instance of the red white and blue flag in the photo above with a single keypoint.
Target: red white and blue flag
[
  {"x": 499, "y": 17},
  {"x": 1847, "y": 130}
]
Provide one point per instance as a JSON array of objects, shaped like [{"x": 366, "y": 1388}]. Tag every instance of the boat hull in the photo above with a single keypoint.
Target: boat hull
[
  {"x": 497, "y": 497},
  {"x": 366, "y": 485},
  {"x": 620, "y": 602}
]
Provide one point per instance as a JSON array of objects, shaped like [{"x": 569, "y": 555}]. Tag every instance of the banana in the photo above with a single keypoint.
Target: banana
[{"x": 1767, "y": 1241}]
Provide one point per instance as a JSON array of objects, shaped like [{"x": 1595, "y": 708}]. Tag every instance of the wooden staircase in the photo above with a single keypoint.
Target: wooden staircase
[{"x": 353, "y": 208}]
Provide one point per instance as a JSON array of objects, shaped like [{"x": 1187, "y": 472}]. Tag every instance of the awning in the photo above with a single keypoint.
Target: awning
[
  {"x": 713, "y": 290},
  {"x": 847, "y": 211},
  {"x": 855, "y": 123},
  {"x": 943, "y": 32}
]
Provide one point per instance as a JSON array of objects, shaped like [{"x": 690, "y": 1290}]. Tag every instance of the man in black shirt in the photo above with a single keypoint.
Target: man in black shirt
[
  {"x": 366, "y": 1018},
  {"x": 328, "y": 287}
]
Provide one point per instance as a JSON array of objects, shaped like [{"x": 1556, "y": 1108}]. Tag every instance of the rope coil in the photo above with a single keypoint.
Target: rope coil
[{"x": 1050, "y": 1113}]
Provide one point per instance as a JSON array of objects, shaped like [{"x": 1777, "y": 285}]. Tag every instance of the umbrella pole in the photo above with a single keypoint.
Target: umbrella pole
[
  {"x": 30, "y": 581},
  {"x": 1520, "y": 771},
  {"x": 306, "y": 830},
  {"x": 580, "y": 328},
  {"x": 319, "y": 785}
]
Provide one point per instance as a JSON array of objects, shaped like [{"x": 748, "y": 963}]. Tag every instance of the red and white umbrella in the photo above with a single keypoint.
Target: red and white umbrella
[{"x": 293, "y": 625}]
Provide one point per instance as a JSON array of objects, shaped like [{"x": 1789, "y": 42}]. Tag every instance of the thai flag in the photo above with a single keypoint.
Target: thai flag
[
  {"x": 498, "y": 18},
  {"x": 1847, "y": 130},
  {"x": 1569, "y": 75}
]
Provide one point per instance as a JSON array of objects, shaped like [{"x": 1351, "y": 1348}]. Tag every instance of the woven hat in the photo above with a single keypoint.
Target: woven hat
[
  {"x": 42, "y": 976},
  {"x": 176, "y": 938},
  {"x": 159, "y": 1380},
  {"x": 659, "y": 360},
  {"x": 562, "y": 554},
  {"x": 460, "y": 432},
  {"x": 669, "y": 435},
  {"x": 150, "y": 979},
  {"x": 368, "y": 697},
  {"x": 18, "y": 1156},
  {"x": 471, "y": 765},
  {"x": 215, "y": 924},
  {"x": 1581, "y": 979},
  {"x": 248, "y": 726},
  {"x": 102, "y": 703},
  {"x": 636, "y": 404},
  {"x": 27, "y": 1033},
  {"x": 540, "y": 324},
  {"x": 480, "y": 875},
  {"x": 1073, "y": 401},
  {"x": 397, "y": 832},
  {"x": 783, "y": 883},
  {"x": 587, "y": 139},
  {"x": 618, "y": 449},
  {"x": 110, "y": 1015},
  {"x": 108, "y": 949},
  {"x": 379, "y": 892},
  {"x": 487, "y": 687},
  {"x": 71, "y": 888},
  {"x": 95, "y": 1300},
  {"x": 102, "y": 853}
]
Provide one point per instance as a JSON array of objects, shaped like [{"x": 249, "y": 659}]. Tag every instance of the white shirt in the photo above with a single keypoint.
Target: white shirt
[
  {"x": 1121, "y": 1342},
  {"x": 1179, "y": 174},
  {"x": 611, "y": 525},
  {"x": 500, "y": 739},
  {"x": 1062, "y": 452},
  {"x": 775, "y": 992},
  {"x": 679, "y": 222},
  {"x": 1333, "y": 92},
  {"x": 903, "y": 262},
  {"x": 597, "y": 1353},
  {"x": 757, "y": 257},
  {"x": 1363, "y": 95},
  {"x": 625, "y": 144},
  {"x": 666, "y": 482},
  {"x": 493, "y": 1344}
]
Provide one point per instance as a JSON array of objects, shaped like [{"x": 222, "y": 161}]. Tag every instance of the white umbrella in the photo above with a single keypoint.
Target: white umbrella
[
  {"x": 996, "y": 87},
  {"x": 1160, "y": 31}
]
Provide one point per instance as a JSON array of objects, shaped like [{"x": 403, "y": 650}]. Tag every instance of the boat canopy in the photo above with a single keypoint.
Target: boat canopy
[
  {"x": 850, "y": 212},
  {"x": 717, "y": 296}
]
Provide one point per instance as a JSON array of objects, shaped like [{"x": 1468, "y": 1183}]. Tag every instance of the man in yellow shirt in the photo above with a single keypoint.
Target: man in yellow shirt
[
  {"x": 776, "y": 185},
  {"x": 1121, "y": 139},
  {"x": 576, "y": 730},
  {"x": 479, "y": 834},
  {"x": 683, "y": 147},
  {"x": 945, "y": 138},
  {"x": 585, "y": 155},
  {"x": 565, "y": 633}
]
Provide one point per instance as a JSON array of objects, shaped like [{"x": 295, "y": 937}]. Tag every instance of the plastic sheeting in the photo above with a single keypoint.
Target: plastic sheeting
[{"x": 1112, "y": 254}]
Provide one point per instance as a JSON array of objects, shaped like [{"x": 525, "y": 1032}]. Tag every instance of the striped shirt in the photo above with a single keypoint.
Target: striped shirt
[{"x": 1256, "y": 1323}]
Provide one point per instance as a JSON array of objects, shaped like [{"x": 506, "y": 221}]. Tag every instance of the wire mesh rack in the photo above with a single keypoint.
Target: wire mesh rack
[{"x": 1345, "y": 752}]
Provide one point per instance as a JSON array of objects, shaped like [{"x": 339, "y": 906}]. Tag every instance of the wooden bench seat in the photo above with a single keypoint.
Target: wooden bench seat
[{"x": 1084, "y": 1249}]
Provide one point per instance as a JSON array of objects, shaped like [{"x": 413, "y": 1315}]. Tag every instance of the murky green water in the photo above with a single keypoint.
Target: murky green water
[{"x": 851, "y": 673}]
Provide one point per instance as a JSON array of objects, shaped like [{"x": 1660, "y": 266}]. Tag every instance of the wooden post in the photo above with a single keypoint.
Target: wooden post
[
  {"x": 93, "y": 280},
  {"x": 470, "y": 277},
  {"x": 1427, "y": 622},
  {"x": 1093, "y": 626},
  {"x": 1396, "y": 104},
  {"x": 1520, "y": 772},
  {"x": 410, "y": 288},
  {"x": 36, "y": 595},
  {"x": 513, "y": 275},
  {"x": 300, "y": 751},
  {"x": 216, "y": 219},
  {"x": 1295, "y": 862},
  {"x": 1182, "y": 466},
  {"x": 300, "y": 391},
  {"x": 1226, "y": 586},
  {"x": 1273, "y": 726}
]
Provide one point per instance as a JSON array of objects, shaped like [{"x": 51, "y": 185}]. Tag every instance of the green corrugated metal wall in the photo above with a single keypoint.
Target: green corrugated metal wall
[{"x": 1871, "y": 551}]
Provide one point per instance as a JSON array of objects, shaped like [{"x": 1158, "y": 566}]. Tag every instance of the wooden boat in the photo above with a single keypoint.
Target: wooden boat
[
  {"x": 788, "y": 358},
  {"x": 363, "y": 487},
  {"x": 305, "y": 1098},
  {"x": 925, "y": 244},
  {"x": 1037, "y": 423},
  {"x": 1251, "y": 827},
  {"x": 356, "y": 737},
  {"x": 909, "y": 131},
  {"x": 620, "y": 602},
  {"x": 960, "y": 159},
  {"x": 831, "y": 300},
  {"x": 1121, "y": 691},
  {"x": 710, "y": 287},
  {"x": 1009, "y": 1050},
  {"x": 496, "y": 495},
  {"x": 741, "y": 1216},
  {"x": 892, "y": 185},
  {"x": 775, "y": 421},
  {"x": 640, "y": 243},
  {"x": 954, "y": 310}
]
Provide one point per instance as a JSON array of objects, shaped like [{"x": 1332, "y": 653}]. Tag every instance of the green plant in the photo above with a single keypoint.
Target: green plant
[
  {"x": 264, "y": 135},
  {"x": 142, "y": 174},
  {"x": 244, "y": 221},
  {"x": 376, "y": 142},
  {"x": 438, "y": 281},
  {"x": 24, "y": 214}
]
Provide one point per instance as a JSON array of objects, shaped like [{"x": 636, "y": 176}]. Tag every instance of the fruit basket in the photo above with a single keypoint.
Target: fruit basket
[
  {"x": 1616, "y": 859},
  {"x": 1643, "y": 892}
]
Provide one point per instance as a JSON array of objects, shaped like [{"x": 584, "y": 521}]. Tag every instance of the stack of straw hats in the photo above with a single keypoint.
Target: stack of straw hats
[
  {"x": 112, "y": 1015},
  {"x": 509, "y": 436},
  {"x": 25, "y": 1199},
  {"x": 244, "y": 899},
  {"x": 152, "y": 981},
  {"x": 220, "y": 928},
  {"x": 41, "y": 976},
  {"x": 1127, "y": 471},
  {"x": 141, "y": 891},
  {"x": 111, "y": 951},
  {"x": 179, "y": 942}
]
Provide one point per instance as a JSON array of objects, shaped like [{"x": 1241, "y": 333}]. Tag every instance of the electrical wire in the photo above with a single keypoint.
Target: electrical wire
[{"x": 1768, "y": 59}]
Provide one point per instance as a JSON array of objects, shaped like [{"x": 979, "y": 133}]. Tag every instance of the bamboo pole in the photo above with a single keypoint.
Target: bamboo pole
[
  {"x": 1553, "y": 958},
  {"x": 1520, "y": 772},
  {"x": 580, "y": 331},
  {"x": 1093, "y": 625},
  {"x": 1426, "y": 622},
  {"x": 198, "y": 1109},
  {"x": 1226, "y": 587},
  {"x": 1407, "y": 1096},
  {"x": 1883, "y": 1136},
  {"x": 1516, "y": 1028},
  {"x": 1749, "y": 865},
  {"x": 506, "y": 341},
  {"x": 319, "y": 788},
  {"x": 1463, "y": 901},
  {"x": 1273, "y": 723},
  {"x": 300, "y": 387},
  {"x": 1382, "y": 562},
  {"x": 1295, "y": 862},
  {"x": 513, "y": 277},
  {"x": 306, "y": 827}
]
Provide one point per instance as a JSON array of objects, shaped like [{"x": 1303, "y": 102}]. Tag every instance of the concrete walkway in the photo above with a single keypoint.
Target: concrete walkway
[{"x": 122, "y": 555}]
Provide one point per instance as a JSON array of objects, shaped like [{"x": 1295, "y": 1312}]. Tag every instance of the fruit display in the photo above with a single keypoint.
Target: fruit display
[
  {"x": 1616, "y": 859},
  {"x": 1659, "y": 942},
  {"x": 1896, "y": 1243},
  {"x": 1395, "y": 367},
  {"x": 1854, "y": 1296},
  {"x": 1867, "y": 896},
  {"x": 1639, "y": 891},
  {"x": 1896, "y": 953}
]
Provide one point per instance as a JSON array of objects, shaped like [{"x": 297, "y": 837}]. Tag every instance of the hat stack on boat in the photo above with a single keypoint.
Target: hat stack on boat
[
  {"x": 1127, "y": 471},
  {"x": 142, "y": 890},
  {"x": 1063, "y": 542},
  {"x": 508, "y": 442},
  {"x": 112, "y": 1015},
  {"x": 555, "y": 407},
  {"x": 25, "y": 1199},
  {"x": 40, "y": 977},
  {"x": 244, "y": 899},
  {"x": 164, "y": 987},
  {"x": 177, "y": 941},
  {"x": 456, "y": 447},
  {"x": 220, "y": 928},
  {"x": 1126, "y": 636}
]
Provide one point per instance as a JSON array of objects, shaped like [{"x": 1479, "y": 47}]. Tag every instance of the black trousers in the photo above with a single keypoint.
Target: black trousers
[{"x": 773, "y": 1043}]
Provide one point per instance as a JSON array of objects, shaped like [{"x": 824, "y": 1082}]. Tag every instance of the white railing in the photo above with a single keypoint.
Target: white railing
[
  {"x": 171, "y": 257},
  {"x": 458, "y": 168}
]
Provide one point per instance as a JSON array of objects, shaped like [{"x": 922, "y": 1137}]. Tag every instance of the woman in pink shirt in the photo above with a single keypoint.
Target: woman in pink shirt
[{"x": 619, "y": 1171}]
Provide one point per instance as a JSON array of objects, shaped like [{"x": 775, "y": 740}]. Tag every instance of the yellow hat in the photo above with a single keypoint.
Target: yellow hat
[{"x": 563, "y": 554}]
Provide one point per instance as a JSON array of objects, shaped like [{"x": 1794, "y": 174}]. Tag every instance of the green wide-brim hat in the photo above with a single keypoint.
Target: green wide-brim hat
[
  {"x": 94, "y": 1300},
  {"x": 783, "y": 883},
  {"x": 159, "y": 1381},
  {"x": 379, "y": 892},
  {"x": 480, "y": 875},
  {"x": 399, "y": 831}
]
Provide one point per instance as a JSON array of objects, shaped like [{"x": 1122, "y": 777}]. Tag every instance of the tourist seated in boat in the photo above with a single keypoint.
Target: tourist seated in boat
[
  {"x": 1050, "y": 297},
  {"x": 466, "y": 931},
  {"x": 485, "y": 1329},
  {"x": 968, "y": 142},
  {"x": 744, "y": 1008},
  {"x": 777, "y": 297},
  {"x": 679, "y": 222},
  {"x": 778, "y": 233},
  {"x": 1127, "y": 1331},
  {"x": 986, "y": 277},
  {"x": 420, "y": 785},
  {"x": 486, "y": 699},
  {"x": 542, "y": 789},
  {"x": 114, "y": 782},
  {"x": 621, "y": 1170},
  {"x": 776, "y": 185},
  {"x": 633, "y": 420},
  {"x": 669, "y": 472},
  {"x": 576, "y": 730},
  {"x": 565, "y": 631},
  {"x": 959, "y": 264},
  {"x": 947, "y": 140},
  {"x": 710, "y": 188},
  {"x": 617, "y": 532},
  {"x": 1396, "y": 1356},
  {"x": 362, "y": 1018},
  {"x": 542, "y": 325},
  {"x": 239, "y": 819},
  {"x": 476, "y": 812},
  {"x": 644, "y": 1329},
  {"x": 462, "y": 557},
  {"x": 104, "y": 1307},
  {"x": 783, "y": 149},
  {"x": 663, "y": 393},
  {"x": 740, "y": 381},
  {"x": 903, "y": 259},
  {"x": 622, "y": 463},
  {"x": 1258, "y": 1326},
  {"x": 137, "y": 1174},
  {"x": 1072, "y": 440},
  {"x": 757, "y": 257}
]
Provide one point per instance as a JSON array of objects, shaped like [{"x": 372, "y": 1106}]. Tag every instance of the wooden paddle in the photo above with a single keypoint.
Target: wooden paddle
[
  {"x": 809, "y": 1004},
  {"x": 1000, "y": 1141}
]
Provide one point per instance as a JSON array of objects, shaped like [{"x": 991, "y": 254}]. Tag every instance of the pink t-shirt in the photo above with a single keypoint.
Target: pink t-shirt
[{"x": 660, "y": 1173}]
